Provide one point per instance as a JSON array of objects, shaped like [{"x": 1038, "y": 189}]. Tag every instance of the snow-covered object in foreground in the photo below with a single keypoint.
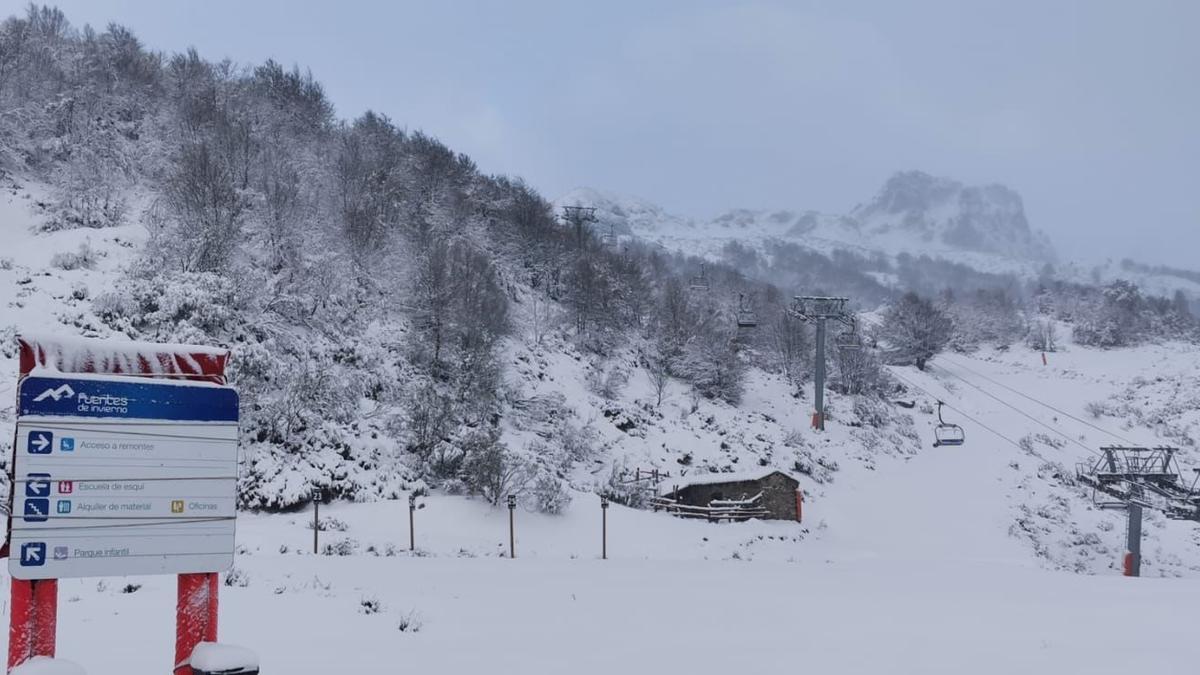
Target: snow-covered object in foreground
[
  {"x": 44, "y": 665},
  {"x": 81, "y": 355},
  {"x": 212, "y": 657}
]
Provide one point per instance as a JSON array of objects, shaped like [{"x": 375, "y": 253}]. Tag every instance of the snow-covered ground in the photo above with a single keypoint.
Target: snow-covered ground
[
  {"x": 981, "y": 559},
  {"x": 672, "y": 595}
]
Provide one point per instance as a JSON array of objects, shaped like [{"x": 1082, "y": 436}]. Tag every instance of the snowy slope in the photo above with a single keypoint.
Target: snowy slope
[{"x": 942, "y": 560}]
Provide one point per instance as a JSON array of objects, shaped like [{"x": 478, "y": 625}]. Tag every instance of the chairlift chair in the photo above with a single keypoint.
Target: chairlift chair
[
  {"x": 746, "y": 316},
  {"x": 849, "y": 340},
  {"x": 609, "y": 239},
  {"x": 700, "y": 282},
  {"x": 945, "y": 433}
]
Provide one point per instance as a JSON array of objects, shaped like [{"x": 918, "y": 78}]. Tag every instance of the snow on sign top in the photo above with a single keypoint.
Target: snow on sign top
[
  {"x": 81, "y": 355},
  {"x": 210, "y": 657}
]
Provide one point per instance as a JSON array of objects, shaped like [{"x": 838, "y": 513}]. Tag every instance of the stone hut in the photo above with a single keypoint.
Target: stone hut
[{"x": 769, "y": 493}]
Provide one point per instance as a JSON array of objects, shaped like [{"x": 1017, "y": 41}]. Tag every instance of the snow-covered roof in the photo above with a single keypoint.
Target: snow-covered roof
[{"x": 673, "y": 484}]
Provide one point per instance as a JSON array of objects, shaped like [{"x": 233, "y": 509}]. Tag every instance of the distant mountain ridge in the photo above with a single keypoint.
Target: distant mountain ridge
[{"x": 913, "y": 212}]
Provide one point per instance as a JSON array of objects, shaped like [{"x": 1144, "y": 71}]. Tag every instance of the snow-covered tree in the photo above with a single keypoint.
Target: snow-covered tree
[{"x": 914, "y": 330}]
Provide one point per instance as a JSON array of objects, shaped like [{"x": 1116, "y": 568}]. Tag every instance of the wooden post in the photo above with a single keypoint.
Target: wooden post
[
  {"x": 603, "y": 527},
  {"x": 33, "y": 624},
  {"x": 316, "y": 500},
  {"x": 412, "y": 508},
  {"x": 512, "y": 536},
  {"x": 799, "y": 506},
  {"x": 195, "y": 616}
]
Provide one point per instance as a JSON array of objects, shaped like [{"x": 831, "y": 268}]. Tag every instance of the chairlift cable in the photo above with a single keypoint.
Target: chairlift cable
[
  {"x": 961, "y": 412},
  {"x": 1047, "y": 405},
  {"x": 1021, "y": 412}
]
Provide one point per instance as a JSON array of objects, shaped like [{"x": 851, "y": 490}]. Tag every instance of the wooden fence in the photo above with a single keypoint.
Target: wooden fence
[{"x": 734, "y": 510}]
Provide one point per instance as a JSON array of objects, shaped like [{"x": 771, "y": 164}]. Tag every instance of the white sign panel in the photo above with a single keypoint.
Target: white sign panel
[{"x": 120, "y": 476}]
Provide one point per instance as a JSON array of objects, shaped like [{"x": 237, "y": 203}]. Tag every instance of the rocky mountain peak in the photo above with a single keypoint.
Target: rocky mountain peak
[{"x": 987, "y": 218}]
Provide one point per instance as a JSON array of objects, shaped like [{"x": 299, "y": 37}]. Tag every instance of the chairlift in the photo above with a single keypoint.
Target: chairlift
[
  {"x": 849, "y": 340},
  {"x": 609, "y": 239},
  {"x": 746, "y": 316},
  {"x": 945, "y": 433},
  {"x": 700, "y": 282}
]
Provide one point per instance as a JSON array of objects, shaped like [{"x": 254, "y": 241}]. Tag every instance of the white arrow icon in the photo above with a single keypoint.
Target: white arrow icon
[
  {"x": 32, "y": 554},
  {"x": 40, "y": 442}
]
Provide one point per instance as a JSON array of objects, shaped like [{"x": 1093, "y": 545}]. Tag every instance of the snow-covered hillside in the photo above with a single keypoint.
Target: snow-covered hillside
[
  {"x": 870, "y": 455},
  {"x": 901, "y": 543}
]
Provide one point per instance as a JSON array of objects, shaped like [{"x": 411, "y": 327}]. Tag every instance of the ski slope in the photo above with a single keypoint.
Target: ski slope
[
  {"x": 557, "y": 608},
  {"x": 911, "y": 559}
]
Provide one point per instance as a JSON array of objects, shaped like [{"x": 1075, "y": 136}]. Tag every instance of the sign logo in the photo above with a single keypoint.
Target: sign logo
[
  {"x": 66, "y": 487},
  {"x": 57, "y": 393},
  {"x": 40, "y": 442},
  {"x": 37, "y": 510},
  {"x": 66, "y": 444},
  {"x": 176, "y": 506},
  {"x": 33, "y": 554},
  {"x": 37, "y": 485},
  {"x": 64, "y": 506},
  {"x": 61, "y": 552}
]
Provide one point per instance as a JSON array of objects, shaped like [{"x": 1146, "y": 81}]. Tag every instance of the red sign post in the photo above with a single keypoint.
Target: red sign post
[{"x": 34, "y": 608}]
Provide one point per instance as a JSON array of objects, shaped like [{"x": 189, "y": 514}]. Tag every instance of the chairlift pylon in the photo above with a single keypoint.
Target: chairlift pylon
[{"x": 945, "y": 433}]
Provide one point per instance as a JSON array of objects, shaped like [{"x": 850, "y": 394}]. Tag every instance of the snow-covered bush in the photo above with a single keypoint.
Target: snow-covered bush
[
  {"x": 549, "y": 494},
  {"x": 1043, "y": 336},
  {"x": 607, "y": 382},
  {"x": 82, "y": 259},
  {"x": 341, "y": 547},
  {"x": 859, "y": 372},
  {"x": 491, "y": 470},
  {"x": 871, "y": 411}
]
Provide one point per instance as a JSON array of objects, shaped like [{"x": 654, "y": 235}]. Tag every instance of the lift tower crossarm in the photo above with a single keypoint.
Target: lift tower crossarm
[{"x": 1137, "y": 478}]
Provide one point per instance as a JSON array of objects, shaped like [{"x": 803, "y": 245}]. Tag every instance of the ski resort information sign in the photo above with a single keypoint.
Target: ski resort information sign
[{"x": 123, "y": 475}]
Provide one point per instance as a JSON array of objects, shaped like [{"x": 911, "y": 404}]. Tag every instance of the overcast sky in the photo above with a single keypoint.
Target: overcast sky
[{"x": 1089, "y": 109}]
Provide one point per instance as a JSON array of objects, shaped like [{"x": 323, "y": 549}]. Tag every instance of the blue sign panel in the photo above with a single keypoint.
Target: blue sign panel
[
  {"x": 37, "y": 485},
  {"x": 121, "y": 399},
  {"x": 33, "y": 554},
  {"x": 37, "y": 510},
  {"x": 40, "y": 443}
]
